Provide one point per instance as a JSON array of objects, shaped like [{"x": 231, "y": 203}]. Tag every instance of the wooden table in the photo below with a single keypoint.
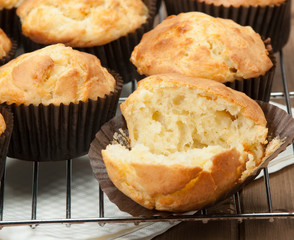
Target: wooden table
[{"x": 253, "y": 197}]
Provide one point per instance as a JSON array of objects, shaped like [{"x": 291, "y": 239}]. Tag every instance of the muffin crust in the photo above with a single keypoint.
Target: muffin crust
[
  {"x": 55, "y": 74},
  {"x": 198, "y": 45},
  {"x": 8, "y": 4}
]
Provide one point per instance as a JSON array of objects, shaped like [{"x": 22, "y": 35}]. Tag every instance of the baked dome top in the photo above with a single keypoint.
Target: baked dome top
[
  {"x": 55, "y": 74},
  {"x": 198, "y": 45}
]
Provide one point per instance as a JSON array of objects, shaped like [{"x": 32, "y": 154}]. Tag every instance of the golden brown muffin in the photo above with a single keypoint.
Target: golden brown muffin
[
  {"x": 191, "y": 140},
  {"x": 2, "y": 124},
  {"x": 80, "y": 23},
  {"x": 198, "y": 45},
  {"x": 55, "y": 74},
  {"x": 59, "y": 98},
  {"x": 5, "y": 44},
  {"x": 244, "y": 3}
]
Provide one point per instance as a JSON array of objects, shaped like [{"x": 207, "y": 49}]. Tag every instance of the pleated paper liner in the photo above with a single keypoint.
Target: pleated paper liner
[
  {"x": 272, "y": 21},
  {"x": 5, "y": 137},
  {"x": 11, "y": 53},
  {"x": 52, "y": 133},
  {"x": 116, "y": 54},
  {"x": 10, "y": 23},
  {"x": 158, "y": 5},
  {"x": 279, "y": 124}
]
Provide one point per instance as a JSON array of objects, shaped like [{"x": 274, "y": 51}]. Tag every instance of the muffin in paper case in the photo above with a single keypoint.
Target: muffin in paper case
[
  {"x": 5, "y": 137},
  {"x": 279, "y": 123},
  {"x": 52, "y": 133},
  {"x": 272, "y": 21},
  {"x": 115, "y": 54}
]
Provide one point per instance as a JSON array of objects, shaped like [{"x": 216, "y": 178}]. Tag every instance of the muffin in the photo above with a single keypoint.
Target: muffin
[
  {"x": 109, "y": 29},
  {"x": 8, "y": 48},
  {"x": 191, "y": 141},
  {"x": 6, "y": 126},
  {"x": 9, "y": 21},
  {"x": 60, "y": 97},
  {"x": 198, "y": 45},
  {"x": 279, "y": 123},
  {"x": 270, "y": 18}
]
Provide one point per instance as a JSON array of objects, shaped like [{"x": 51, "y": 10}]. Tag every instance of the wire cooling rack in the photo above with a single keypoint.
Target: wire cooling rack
[{"x": 237, "y": 213}]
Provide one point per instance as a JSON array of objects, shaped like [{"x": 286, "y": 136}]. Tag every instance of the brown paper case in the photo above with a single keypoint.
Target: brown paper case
[
  {"x": 10, "y": 23},
  {"x": 279, "y": 124},
  {"x": 158, "y": 4},
  {"x": 116, "y": 54},
  {"x": 11, "y": 54},
  {"x": 5, "y": 137},
  {"x": 52, "y": 133},
  {"x": 270, "y": 22}
]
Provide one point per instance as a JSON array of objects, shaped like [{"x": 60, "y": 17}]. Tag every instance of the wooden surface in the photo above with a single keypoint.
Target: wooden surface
[{"x": 253, "y": 197}]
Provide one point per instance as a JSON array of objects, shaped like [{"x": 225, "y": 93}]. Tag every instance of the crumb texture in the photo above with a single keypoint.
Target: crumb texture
[{"x": 191, "y": 141}]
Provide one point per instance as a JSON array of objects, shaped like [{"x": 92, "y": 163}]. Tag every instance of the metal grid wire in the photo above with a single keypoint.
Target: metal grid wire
[{"x": 203, "y": 216}]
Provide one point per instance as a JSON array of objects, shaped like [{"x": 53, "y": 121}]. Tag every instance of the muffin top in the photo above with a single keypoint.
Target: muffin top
[
  {"x": 8, "y": 4},
  {"x": 244, "y": 3},
  {"x": 2, "y": 124},
  {"x": 55, "y": 74},
  {"x": 80, "y": 23},
  {"x": 5, "y": 44},
  {"x": 198, "y": 45}
]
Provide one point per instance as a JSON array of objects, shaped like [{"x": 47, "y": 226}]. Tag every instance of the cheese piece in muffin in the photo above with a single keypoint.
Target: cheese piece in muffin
[
  {"x": 191, "y": 140},
  {"x": 244, "y": 3},
  {"x": 198, "y": 45},
  {"x": 55, "y": 74},
  {"x": 80, "y": 23},
  {"x": 5, "y": 44},
  {"x": 2, "y": 124}
]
